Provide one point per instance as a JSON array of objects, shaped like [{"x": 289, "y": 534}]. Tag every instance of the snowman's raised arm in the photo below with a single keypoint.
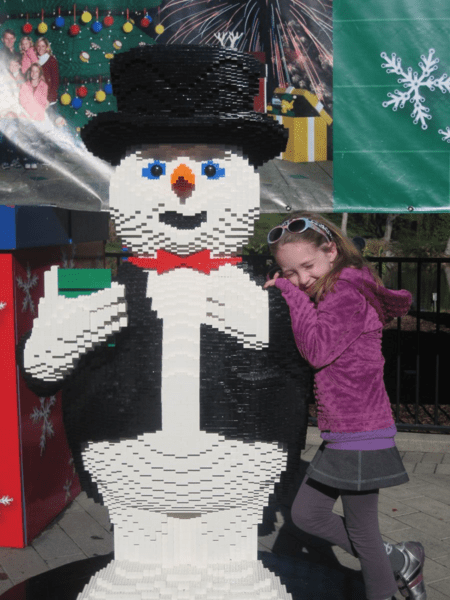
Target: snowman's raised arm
[
  {"x": 67, "y": 328},
  {"x": 239, "y": 308}
]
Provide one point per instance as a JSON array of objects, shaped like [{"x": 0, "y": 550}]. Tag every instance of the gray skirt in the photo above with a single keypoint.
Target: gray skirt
[{"x": 358, "y": 470}]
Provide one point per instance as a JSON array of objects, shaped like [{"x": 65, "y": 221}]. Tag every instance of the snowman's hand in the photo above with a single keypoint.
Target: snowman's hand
[{"x": 66, "y": 328}]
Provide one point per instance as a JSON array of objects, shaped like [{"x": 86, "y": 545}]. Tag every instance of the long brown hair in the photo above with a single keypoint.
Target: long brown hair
[{"x": 347, "y": 253}]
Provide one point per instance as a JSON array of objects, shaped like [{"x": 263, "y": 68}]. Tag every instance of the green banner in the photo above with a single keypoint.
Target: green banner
[{"x": 391, "y": 106}]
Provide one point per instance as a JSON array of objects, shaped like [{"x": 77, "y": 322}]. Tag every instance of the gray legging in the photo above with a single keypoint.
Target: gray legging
[{"x": 358, "y": 532}]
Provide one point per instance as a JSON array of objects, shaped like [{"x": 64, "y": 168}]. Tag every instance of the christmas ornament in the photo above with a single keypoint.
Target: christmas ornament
[
  {"x": 109, "y": 56},
  {"x": 86, "y": 16},
  {"x": 42, "y": 27},
  {"x": 74, "y": 29},
  {"x": 28, "y": 27},
  {"x": 108, "y": 88},
  {"x": 60, "y": 21},
  {"x": 108, "y": 21},
  {"x": 100, "y": 96},
  {"x": 81, "y": 91},
  {"x": 146, "y": 20},
  {"x": 84, "y": 57},
  {"x": 159, "y": 29},
  {"x": 117, "y": 44},
  {"x": 66, "y": 99},
  {"x": 76, "y": 103},
  {"x": 128, "y": 26},
  {"x": 96, "y": 26}
]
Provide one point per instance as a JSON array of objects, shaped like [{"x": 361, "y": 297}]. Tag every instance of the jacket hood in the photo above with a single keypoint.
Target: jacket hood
[{"x": 389, "y": 304}]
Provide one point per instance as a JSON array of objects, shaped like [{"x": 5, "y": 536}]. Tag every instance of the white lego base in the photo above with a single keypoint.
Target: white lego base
[{"x": 244, "y": 580}]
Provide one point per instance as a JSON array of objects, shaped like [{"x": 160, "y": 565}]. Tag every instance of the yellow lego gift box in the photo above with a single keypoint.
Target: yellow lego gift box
[{"x": 304, "y": 116}]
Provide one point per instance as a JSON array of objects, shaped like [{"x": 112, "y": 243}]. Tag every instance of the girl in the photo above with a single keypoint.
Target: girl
[
  {"x": 50, "y": 67},
  {"x": 338, "y": 308},
  {"x": 29, "y": 55},
  {"x": 33, "y": 93}
]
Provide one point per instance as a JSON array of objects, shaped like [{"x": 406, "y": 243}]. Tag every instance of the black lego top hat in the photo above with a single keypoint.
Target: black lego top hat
[{"x": 184, "y": 94}]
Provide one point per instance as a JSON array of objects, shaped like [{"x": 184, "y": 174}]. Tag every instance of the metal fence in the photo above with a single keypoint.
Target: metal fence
[
  {"x": 417, "y": 371},
  {"x": 421, "y": 393}
]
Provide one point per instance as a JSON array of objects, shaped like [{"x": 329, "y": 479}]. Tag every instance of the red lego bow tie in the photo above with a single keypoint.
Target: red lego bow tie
[{"x": 200, "y": 261}]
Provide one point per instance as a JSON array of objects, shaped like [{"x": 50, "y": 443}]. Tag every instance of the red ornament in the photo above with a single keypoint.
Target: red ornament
[
  {"x": 108, "y": 21},
  {"x": 74, "y": 29},
  {"x": 81, "y": 91},
  {"x": 145, "y": 22},
  {"x": 27, "y": 28}
]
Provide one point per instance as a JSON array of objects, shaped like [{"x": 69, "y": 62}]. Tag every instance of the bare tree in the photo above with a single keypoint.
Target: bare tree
[
  {"x": 389, "y": 226},
  {"x": 344, "y": 223},
  {"x": 446, "y": 266}
]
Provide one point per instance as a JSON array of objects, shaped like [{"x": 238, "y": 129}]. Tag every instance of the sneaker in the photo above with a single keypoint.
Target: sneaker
[{"x": 410, "y": 578}]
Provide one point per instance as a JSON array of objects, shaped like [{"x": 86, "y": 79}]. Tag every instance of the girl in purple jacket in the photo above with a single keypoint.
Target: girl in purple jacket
[{"x": 338, "y": 307}]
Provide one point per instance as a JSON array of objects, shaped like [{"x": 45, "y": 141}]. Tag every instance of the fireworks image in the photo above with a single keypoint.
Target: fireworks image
[{"x": 296, "y": 35}]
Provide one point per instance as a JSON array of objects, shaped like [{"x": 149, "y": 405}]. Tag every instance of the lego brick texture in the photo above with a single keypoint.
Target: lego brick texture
[{"x": 180, "y": 94}]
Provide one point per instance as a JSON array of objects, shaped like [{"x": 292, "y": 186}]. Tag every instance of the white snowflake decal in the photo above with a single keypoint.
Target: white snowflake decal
[
  {"x": 67, "y": 487},
  {"x": 43, "y": 413},
  {"x": 2, "y": 305},
  {"x": 6, "y": 500},
  {"x": 68, "y": 263},
  {"x": 27, "y": 286},
  {"x": 413, "y": 82}
]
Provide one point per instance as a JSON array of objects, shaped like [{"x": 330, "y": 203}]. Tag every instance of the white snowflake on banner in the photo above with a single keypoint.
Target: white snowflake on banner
[
  {"x": 2, "y": 305},
  {"x": 43, "y": 413},
  {"x": 413, "y": 82},
  {"x": 26, "y": 286}
]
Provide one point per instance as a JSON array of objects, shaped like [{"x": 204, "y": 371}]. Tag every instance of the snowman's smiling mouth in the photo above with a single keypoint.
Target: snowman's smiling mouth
[{"x": 178, "y": 221}]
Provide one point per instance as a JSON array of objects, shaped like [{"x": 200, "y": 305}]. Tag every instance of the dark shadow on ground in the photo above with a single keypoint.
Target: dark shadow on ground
[{"x": 305, "y": 564}]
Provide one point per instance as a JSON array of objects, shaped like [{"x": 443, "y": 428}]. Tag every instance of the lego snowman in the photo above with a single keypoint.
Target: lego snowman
[{"x": 169, "y": 425}]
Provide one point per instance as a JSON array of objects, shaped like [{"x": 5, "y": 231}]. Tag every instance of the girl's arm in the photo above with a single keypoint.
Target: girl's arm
[{"x": 325, "y": 331}]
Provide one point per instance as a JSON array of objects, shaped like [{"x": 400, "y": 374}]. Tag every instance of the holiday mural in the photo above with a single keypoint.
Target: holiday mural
[
  {"x": 392, "y": 110},
  {"x": 54, "y": 76}
]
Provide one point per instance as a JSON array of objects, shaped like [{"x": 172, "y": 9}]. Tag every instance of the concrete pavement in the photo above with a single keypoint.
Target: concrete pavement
[{"x": 310, "y": 567}]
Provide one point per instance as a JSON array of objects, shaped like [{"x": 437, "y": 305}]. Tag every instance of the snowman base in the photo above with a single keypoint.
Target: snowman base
[{"x": 241, "y": 580}]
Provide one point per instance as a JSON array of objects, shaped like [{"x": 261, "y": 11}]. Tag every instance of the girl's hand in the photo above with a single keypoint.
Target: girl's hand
[{"x": 272, "y": 278}]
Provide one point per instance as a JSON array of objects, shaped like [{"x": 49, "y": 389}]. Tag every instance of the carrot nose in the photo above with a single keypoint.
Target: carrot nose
[{"x": 183, "y": 182}]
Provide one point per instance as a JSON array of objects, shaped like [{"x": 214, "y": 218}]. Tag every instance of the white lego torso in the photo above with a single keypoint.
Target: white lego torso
[{"x": 196, "y": 498}]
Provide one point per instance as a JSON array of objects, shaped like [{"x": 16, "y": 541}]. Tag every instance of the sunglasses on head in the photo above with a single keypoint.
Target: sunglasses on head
[{"x": 298, "y": 225}]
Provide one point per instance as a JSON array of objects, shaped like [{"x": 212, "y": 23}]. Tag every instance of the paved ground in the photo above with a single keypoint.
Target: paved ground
[{"x": 419, "y": 510}]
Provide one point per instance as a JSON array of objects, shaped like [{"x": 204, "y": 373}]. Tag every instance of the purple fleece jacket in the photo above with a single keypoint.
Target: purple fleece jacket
[{"x": 341, "y": 339}]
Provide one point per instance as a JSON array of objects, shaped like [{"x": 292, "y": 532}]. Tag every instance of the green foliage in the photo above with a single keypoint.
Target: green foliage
[
  {"x": 413, "y": 235},
  {"x": 423, "y": 234}
]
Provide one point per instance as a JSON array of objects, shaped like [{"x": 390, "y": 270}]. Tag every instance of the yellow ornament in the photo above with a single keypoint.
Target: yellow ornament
[
  {"x": 42, "y": 27},
  {"x": 84, "y": 57},
  {"x": 127, "y": 27},
  {"x": 100, "y": 96},
  {"x": 159, "y": 29},
  {"x": 66, "y": 99},
  {"x": 86, "y": 17},
  {"x": 117, "y": 44},
  {"x": 109, "y": 55}
]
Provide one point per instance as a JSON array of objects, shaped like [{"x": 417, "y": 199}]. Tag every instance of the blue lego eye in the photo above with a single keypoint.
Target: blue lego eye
[
  {"x": 211, "y": 170},
  {"x": 154, "y": 170}
]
